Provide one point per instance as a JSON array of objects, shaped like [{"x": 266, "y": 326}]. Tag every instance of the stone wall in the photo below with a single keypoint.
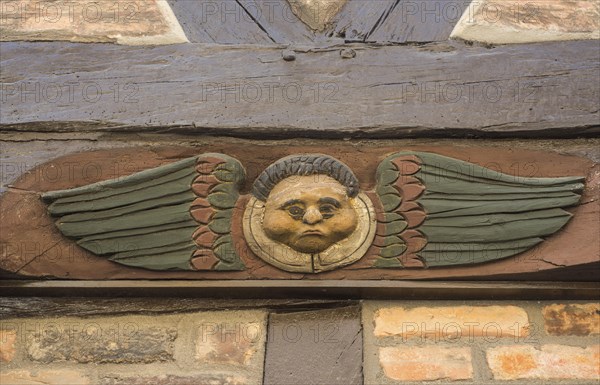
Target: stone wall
[
  {"x": 224, "y": 347},
  {"x": 534, "y": 342},
  {"x": 371, "y": 342}
]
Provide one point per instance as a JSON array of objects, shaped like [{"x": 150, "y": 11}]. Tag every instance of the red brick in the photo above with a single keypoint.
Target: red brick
[
  {"x": 8, "y": 338},
  {"x": 572, "y": 319},
  {"x": 46, "y": 377},
  {"x": 450, "y": 323},
  {"x": 429, "y": 363},
  {"x": 550, "y": 362}
]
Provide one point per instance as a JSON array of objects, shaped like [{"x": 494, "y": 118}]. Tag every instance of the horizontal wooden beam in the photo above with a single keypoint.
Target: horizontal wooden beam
[
  {"x": 306, "y": 289},
  {"x": 19, "y": 307},
  {"x": 33, "y": 246},
  {"x": 439, "y": 89}
]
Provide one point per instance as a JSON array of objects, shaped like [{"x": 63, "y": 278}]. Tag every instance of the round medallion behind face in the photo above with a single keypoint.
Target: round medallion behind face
[{"x": 309, "y": 224}]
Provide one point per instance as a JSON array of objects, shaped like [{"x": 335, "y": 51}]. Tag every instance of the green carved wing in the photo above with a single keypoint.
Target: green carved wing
[
  {"x": 440, "y": 211},
  {"x": 173, "y": 217}
]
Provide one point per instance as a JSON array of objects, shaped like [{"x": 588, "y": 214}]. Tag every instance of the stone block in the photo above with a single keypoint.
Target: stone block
[
  {"x": 451, "y": 323},
  {"x": 314, "y": 348},
  {"x": 514, "y": 21},
  {"x": 115, "y": 341},
  {"x": 428, "y": 363},
  {"x": 8, "y": 339},
  {"x": 131, "y": 22},
  {"x": 230, "y": 338},
  {"x": 165, "y": 379},
  {"x": 550, "y": 362},
  {"x": 45, "y": 377},
  {"x": 572, "y": 319}
]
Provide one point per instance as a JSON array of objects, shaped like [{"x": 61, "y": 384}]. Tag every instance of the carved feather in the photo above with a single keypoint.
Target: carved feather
[
  {"x": 173, "y": 217},
  {"x": 450, "y": 212}
]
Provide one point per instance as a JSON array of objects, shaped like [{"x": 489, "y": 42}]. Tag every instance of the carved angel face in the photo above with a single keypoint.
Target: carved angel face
[{"x": 309, "y": 213}]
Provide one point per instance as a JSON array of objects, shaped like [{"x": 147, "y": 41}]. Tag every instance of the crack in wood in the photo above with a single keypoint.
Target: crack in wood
[
  {"x": 258, "y": 24},
  {"x": 381, "y": 19}
]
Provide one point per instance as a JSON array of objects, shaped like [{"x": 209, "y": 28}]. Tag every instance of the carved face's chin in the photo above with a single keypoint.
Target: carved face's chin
[{"x": 311, "y": 244}]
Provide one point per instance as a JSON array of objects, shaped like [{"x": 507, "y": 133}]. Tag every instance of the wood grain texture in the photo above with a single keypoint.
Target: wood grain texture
[
  {"x": 218, "y": 21},
  {"x": 19, "y": 307},
  {"x": 403, "y": 91},
  {"x": 270, "y": 22},
  {"x": 278, "y": 21},
  {"x": 418, "y": 21},
  {"x": 358, "y": 19},
  {"x": 33, "y": 247}
]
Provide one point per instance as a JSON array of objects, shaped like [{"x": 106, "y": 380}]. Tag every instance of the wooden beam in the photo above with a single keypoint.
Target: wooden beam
[
  {"x": 33, "y": 247},
  {"x": 306, "y": 289},
  {"x": 359, "y": 18},
  {"x": 218, "y": 21},
  {"x": 439, "y": 89},
  {"x": 278, "y": 21},
  {"x": 423, "y": 21},
  {"x": 20, "y": 307}
]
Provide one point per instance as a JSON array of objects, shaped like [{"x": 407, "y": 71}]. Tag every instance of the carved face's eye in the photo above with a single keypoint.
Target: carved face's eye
[
  {"x": 296, "y": 212},
  {"x": 327, "y": 211}
]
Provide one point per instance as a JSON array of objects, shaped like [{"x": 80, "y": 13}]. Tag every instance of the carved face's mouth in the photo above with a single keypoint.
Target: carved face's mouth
[{"x": 312, "y": 233}]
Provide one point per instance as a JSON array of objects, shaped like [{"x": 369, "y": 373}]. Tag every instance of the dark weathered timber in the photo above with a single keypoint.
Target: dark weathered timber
[
  {"x": 278, "y": 21},
  {"x": 419, "y": 21},
  {"x": 440, "y": 89},
  {"x": 190, "y": 21},
  {"x": 327, "y": 342},
  {"x": 218, "y": 21},
  {"x": 359, "y": 18},
  {"x": 18, "y": 307},
  {"x": 306, "y": 289}
]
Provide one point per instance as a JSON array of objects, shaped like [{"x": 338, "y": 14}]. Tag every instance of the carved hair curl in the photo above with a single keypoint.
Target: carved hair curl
[{"x": 303, "y": 165}]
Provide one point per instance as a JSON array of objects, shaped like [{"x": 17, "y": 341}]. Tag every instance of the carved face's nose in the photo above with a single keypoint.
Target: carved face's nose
[{"x": 312, "y": 216}]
